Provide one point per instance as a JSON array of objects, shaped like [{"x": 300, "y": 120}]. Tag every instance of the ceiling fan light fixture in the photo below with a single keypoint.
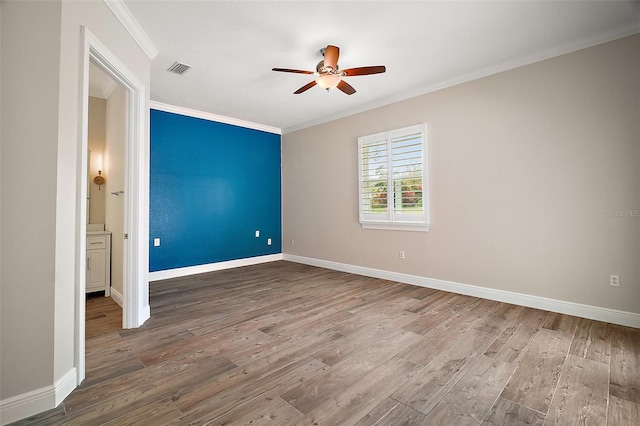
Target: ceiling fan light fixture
[
  {"x": 328, "y": 81},
  {"x": 328, "y": 74}
]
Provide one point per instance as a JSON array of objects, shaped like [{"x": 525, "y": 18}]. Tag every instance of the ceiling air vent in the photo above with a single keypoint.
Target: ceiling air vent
[{"x": 178, "y": 68}]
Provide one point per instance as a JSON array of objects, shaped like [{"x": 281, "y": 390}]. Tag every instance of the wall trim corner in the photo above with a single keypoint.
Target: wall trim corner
[
  {"x": 117, "y": 297},
  {"x": 39, "y": 400}
]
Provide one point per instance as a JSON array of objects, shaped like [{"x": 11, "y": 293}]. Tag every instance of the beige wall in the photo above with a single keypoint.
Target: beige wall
[
  {"x": 29, "y": 151},
  {"x": 41, "y": 177},
  {"x": 524, "y": 165},
  {"x": 115, "y": 158},
  {"x": 96, "y": 140}
]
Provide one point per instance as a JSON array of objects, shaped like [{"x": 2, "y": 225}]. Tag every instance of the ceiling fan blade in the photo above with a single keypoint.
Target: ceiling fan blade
[
  {"x": 346, "y": 87},
  {"x": 364, "y": 70},
  {"x": 305, "y": 88},
  {"x": 331, "y": 55},
  {"x": 290, "y": 70}
]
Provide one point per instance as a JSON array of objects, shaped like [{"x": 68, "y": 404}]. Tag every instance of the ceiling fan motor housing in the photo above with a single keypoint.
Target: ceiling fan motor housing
[{"x": 321, "y": 69}]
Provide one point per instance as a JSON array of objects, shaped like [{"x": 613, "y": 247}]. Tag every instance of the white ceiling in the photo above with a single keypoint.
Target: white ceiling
[{"x": 425, "y": 45}]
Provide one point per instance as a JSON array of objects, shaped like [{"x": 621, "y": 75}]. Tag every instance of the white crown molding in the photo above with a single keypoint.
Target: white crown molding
[
  {"x": 130, "y": 23},
  {"x": 103, "y": 92},
  {"x": 96, "y": 93},
  {"x": 559, "y": 50},
  {"x": 210, "y": 267},
  {"x": 39, "y": 400},
  {"x": 213, "y": 117},
  {"x": 629, "y": 319},
  {"x": 108, "y": 88}
]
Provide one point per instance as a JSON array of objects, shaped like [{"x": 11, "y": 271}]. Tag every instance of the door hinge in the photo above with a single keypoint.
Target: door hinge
[{"x": 126, "y": 236}]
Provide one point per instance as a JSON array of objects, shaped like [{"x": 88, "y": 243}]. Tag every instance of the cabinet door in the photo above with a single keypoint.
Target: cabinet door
[{"x": 95, "y": 270}]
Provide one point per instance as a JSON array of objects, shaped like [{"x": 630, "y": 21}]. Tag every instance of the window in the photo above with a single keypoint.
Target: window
[{"x": 392, "y": 170}]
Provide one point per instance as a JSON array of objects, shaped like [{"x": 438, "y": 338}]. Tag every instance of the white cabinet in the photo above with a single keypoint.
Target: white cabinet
[{"x": 99, "y": 263}]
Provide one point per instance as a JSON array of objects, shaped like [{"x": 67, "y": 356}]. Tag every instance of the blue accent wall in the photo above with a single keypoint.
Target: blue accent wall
[{"x": 212, "y": 185}]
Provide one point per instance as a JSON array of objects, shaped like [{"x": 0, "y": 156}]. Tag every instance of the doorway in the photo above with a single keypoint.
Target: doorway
[
  {"x": 135, "y": 165},
  {"x": 107, "y": 124}
]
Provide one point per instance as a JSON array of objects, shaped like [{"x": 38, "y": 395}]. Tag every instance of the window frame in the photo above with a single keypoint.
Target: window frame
[{"x": 391, "y": 219}]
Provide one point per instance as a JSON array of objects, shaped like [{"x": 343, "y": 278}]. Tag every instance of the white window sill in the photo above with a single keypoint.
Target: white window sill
[{"x": 397, "y": 226}]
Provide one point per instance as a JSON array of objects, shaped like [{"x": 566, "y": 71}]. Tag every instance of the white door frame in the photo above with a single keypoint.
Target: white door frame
[{"x": 136, "y": 219}]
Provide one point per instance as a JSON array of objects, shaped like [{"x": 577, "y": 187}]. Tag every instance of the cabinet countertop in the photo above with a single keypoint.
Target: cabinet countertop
[{"x": 98, "y": 233}]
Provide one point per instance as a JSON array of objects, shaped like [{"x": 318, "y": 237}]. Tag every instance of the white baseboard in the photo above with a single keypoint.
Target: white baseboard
[
  {"x": 65, "y": 385},
  {"x": 210, "y": 267},
  {"x": 37, "y": 401},
  {"x": 629, "y": 319},
  {"x": 145, "y": 313},
  {"x": 117, "y": 297}
]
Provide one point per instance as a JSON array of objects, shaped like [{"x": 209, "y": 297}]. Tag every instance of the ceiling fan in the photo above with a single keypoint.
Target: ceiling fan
[{"x": 328, "y": 74}]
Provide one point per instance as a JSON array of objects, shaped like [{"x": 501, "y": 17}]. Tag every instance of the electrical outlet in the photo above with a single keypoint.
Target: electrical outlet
[
  {"x": 156, "y": 242},
  {"x": 401, "y": 254},
  {"x": 614, "y": 280}
]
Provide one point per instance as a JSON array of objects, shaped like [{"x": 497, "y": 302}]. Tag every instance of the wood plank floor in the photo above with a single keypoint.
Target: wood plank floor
[{"x": 289, "y": 344}]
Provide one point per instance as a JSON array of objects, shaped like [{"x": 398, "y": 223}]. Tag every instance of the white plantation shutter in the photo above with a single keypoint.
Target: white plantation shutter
[
  {"x": 393, "y": 185},
  {"x": 373, "y": 177}
]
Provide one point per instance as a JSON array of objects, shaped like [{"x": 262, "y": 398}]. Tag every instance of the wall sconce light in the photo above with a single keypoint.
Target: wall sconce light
[{"x": 99, "y": 180}]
